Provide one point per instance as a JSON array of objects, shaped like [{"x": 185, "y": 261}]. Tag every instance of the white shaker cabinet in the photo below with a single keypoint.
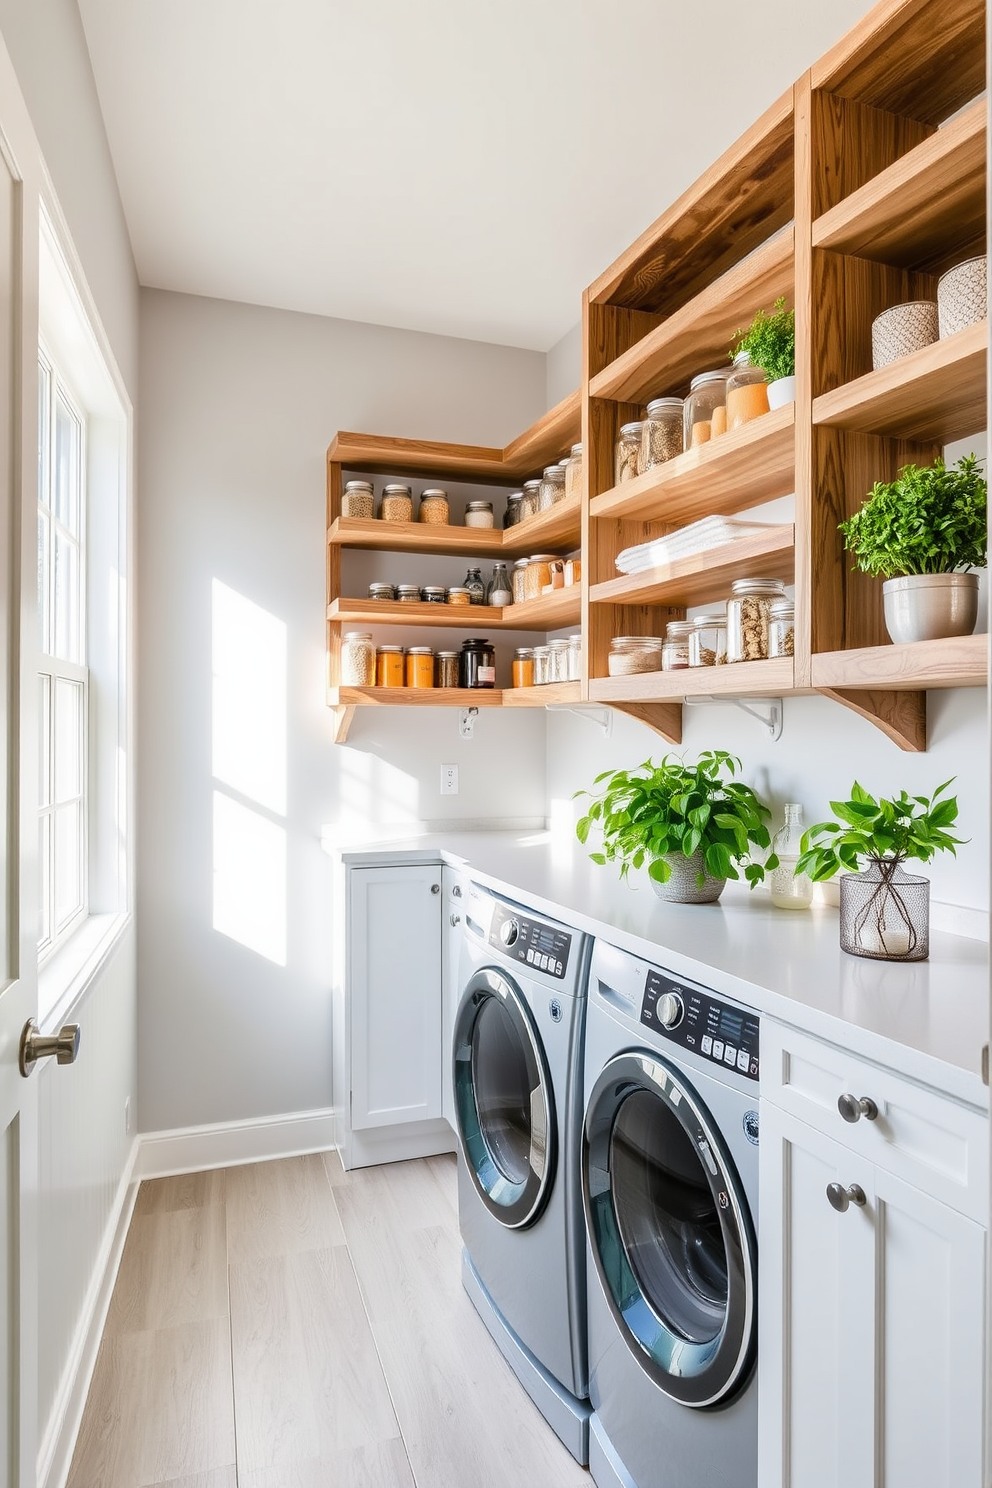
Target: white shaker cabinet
[
  {"x": 872, "y": 1271},
  {"x": 454, "y": 885}
]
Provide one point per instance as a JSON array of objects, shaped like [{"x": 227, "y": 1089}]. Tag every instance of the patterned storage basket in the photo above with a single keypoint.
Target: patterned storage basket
[
  {"x": 902, "y": 330},
  {"x": 962, "y": 295}
]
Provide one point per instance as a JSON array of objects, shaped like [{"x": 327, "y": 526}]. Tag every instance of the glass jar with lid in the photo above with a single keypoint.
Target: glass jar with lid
[
  {"x": 382, "y": 591},
  {"x": 630, "y": 654},
  {"x": 558, "y": 660},
  {"x": 782, "y": 627},
  {"x": 705, "y": 407},
  {"x": 747, "y": 392},
  {"x": 358, "y": 500},
  {"x": 446, "y": 669},
  {"x": 675, "y": 651},
  {"x": 357, "y": 659},
  {"x": 396, "y": 504},
  {"x": 537, "y": 574},
  {"x": 573, "y": 473},
  {"x": 408, "y": 593},
  {"x": 627, "y": 453},
  {"x": 520, "y": 580},
  {"x": 552, "y": 488},
  {"x": 420, "y": 666},
  {"x": 542, "y": 665},
  {"x": 479, "y": 514},
  {"x": 434, "y": 507},
  {"x": 530, "y": 501},
  {"x": 434, "y": 594},
  {"x": 477, "y": 663},
  {"x": 523, "y": 666},
  {"x": 575, "y": 658},
  {"x": 512, "y": 514},
  {"x": 389, "y": 668},
  {"x": 459, "y": 595},
  {"x": 708, "y": 640},
  {"x": 661, "y": 432},
  {"x": 748, "y": 615}
]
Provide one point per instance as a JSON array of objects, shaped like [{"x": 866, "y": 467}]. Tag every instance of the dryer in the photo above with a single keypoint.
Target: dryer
[
  {"x": 670, "y": 1191},
  {"x": 517, "y": 1079}
]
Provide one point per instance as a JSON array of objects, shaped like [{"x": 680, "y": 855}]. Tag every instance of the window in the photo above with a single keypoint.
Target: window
[{"x": 62, "y": 675}]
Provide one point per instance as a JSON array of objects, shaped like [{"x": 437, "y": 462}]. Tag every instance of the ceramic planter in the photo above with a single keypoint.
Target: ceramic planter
[
  {"x": 885, "y": 913},
  {"x": 683, "y": 887},
  {"x": 782, "y": 391},
  {"x": 930, "y": 607}
]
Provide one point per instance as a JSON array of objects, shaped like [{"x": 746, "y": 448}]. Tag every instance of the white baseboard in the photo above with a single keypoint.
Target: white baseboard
[
  {"x": 58, "y": 1438},
  {"x": 228, "y": 1144}
]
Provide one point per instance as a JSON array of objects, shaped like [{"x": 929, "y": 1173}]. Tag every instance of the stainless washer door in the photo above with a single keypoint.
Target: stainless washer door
[
  {"x": 670, "y": 1230},
  {"x": 503, "y": 1100}
]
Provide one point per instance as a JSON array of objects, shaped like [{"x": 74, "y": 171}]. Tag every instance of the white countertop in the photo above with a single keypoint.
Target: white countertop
[{"x": 926, "y": 1019}]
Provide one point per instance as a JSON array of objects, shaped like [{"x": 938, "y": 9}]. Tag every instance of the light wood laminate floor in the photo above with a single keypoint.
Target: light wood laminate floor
[{"x": 290, "y": 1325}]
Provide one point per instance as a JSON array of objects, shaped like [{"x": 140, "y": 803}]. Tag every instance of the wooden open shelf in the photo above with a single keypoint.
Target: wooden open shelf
[
  {"x": 416, "y": 697},
  {"x": 555, "y": 530},
  {"x": 749, "y": 465},
  {"x": 922, "y": 207},
  {"x": 704, "y": 578},
  {"x": 960, "y": 662},
  {"x": 549, "y": 612},
  {"x": 563, "y": 693},
  {"x": 743, "y": 679},
  {"x": 936, "y": 395}
]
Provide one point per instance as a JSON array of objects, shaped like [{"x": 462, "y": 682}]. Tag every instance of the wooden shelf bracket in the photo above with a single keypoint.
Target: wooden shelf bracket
[{"x": 901, "y": 716}]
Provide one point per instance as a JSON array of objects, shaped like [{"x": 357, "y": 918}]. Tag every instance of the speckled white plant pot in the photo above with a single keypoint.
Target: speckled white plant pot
[
  {"x": 962, "y": 295},
  {"x": 903, "y": 329},
  {"x": 683, "y": 886}
]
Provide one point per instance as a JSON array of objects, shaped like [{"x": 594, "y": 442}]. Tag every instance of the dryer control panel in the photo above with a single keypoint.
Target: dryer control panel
[
  {"x": 717, "y": 1031},
  {"x": 533, "y": 943}
]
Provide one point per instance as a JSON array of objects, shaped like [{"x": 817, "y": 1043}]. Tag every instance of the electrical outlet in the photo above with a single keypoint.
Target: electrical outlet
[
  {"x": 449, "y": 780},
  {"x": 127, "y": 1117}
]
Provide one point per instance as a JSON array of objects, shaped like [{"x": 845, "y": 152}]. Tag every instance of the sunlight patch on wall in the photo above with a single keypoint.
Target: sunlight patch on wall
[
  {"x": 249, "y": 699},
  {"x": 249, "y": 878}
]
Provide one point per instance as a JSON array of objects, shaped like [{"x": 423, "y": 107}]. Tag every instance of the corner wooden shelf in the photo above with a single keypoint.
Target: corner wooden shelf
[
  {"x": 752, "y": 464},
  {"x": 415, "y": 697},
  {"x": 565, "y": 694},
  {"x": 554, "y": 530},
  {"x": 703, "y": 578},
  {"x": 935, "y": 395},
  {"x": 743, "y": 679},
  {"x": 921, "y": 207},
  {"x": 959, "y": 662},
  {"x": 548, "y": 612}
]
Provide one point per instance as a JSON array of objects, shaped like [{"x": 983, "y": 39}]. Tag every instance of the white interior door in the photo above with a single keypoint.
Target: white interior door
[{"x": 19, "y": 197}]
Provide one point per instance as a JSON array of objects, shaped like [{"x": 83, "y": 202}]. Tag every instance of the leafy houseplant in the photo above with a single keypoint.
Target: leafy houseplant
[
  {"x": 918, "y": 532},
  {"x": 691, "y": 825},
  {"x": 884, "y": 912},
  {"x": 770, "y": 342}
]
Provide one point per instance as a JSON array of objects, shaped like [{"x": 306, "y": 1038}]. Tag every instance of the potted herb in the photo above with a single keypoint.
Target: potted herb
[
  {"x": 770, "y": 342},
  {"x": 690, "y": 824},
  {"x": 919, "y": 532},
  {"x": 884, "y": 912}
]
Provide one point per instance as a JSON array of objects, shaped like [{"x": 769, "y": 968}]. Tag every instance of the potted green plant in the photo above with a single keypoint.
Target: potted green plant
[
  {"x": 919, "y": 533},
  {"x": 884, "y": 912},
  {"x": 770, "y": 342},
  {"x": 692, "y": 825}
]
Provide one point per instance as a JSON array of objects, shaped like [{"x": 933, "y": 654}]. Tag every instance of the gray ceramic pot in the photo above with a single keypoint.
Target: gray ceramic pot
[
  {"x": 930, "y": 607},
  {"x": 683, "y": 886}
]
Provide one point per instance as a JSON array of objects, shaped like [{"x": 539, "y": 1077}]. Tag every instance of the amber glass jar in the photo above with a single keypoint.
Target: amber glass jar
[
  {"x": 747, "y": 392},
  {"x": 389, "y": 670},
  {"x": 420, "y": 667},
  {"x": 523, "y": 667}
]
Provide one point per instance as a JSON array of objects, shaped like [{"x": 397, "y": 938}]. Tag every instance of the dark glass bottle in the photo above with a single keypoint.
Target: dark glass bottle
[
  {"x": 477, "y": 664},
  {"x": 476, "y": 588}
]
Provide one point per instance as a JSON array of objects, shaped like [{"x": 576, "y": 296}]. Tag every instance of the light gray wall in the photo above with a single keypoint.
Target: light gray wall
[
  {"x": 238, "y": 407},
  {"x": 564, "y": 366}
]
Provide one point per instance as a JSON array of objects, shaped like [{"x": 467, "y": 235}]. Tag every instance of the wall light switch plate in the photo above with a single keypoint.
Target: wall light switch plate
[{"x": 449, "y": 780}]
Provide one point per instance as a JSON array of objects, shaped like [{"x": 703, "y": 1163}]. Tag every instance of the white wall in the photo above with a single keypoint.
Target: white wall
[
  {"x": 238, "y": 407},
  {"x": 564, "y": 366}
]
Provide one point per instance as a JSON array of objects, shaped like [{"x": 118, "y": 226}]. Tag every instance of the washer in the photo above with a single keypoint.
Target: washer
[
  {"x": 670, "y": 1191},
  {"x": 517, "y": 1076}
]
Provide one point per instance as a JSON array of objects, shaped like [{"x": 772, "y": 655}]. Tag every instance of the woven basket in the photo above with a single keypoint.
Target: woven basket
[
  {"x": 902, "y": 330},
  {"x": 962, "y": 295}
]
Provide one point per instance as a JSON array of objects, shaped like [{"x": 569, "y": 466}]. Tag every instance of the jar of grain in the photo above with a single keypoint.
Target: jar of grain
[
  {"x": 512, "y": 514},
  {"x": 748, "y": 614},
  {"x": 446, "y": 669},
  {"x": 357, "y": 500},
  {"x": 434, "y": 507},
  {"x": 661, "y": 432},
  {"x": 542, "y": 665},
  {"x": 708, "y": 640},
  {"x": 357, "y": 659},
  {"x": 519, "y": 580},
  {"x": 705, "y": 410},
  {"x": 434, "y": 594},
  {"x": 477, "y": 664},
  {"x": 420, "y": 667},
  {"x": 675, "y": 651},
  {"x": 573, "y": 473},
  {"x": 389, "y": 670},
  {"x": 530, "y": 501},
  {"x": 479, "y": 514},
  {"x": 747, "y": 392},
  {"x": 458, "y": 595},
  {"x": 382, "y": 591},
  {"x": 575, "y": 658},
  {"x": 627, "y": 455},
  {"x": 630, "y": 654},
  {"x": 537, "y": 575},
  {"x": 523, "y": 666},
  {"x": 558, "y": 660},
  {"x": 782, "y": 627},
  {"x": 396, "y": 504},
  {"x": 552, "y": 488},
  {"x": 408, "y": 593}
]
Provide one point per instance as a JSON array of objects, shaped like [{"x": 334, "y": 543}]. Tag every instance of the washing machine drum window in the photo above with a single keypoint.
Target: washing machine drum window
[
  {"x": 503, "y": 1099},
  {"x": 670, "y": 1230}
]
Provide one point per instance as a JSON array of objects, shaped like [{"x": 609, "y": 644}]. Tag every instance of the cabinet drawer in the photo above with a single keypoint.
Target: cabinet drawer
[{"x": 918, "y": 1135}]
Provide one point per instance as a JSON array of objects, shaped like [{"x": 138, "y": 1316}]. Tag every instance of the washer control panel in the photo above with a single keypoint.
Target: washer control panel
[
  {"x": 717, "y": 1031},
  {"x": 533, "y": 943}
]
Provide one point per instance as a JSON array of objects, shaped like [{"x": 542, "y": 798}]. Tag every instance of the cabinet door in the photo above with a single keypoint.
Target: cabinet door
[
  {"x": 816, "y": 1399},
  {"x": 455, "y": 887},
  {"x": 394, "y": 994}
]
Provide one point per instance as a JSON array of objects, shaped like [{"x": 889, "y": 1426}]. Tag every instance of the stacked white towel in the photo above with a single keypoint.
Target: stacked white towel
[{"x": 698, "y": 537}]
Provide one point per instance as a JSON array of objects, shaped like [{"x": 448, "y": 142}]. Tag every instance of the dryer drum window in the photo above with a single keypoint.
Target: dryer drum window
[
  {"x": 670, "y": 1232},
  {"x": 506, "y": 1119}
]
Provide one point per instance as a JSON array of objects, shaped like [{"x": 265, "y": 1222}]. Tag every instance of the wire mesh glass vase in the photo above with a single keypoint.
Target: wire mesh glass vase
[{"x": 885, "y": 913}]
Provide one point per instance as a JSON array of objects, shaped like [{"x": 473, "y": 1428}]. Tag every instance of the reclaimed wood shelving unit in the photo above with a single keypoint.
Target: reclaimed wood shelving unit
[{"x": 852, "y": 193}]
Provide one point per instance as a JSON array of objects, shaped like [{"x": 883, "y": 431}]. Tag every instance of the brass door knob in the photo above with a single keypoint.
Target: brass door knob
[
  {"x": 34, "y": 1045},
  {"x": 842, "y": 1198}
]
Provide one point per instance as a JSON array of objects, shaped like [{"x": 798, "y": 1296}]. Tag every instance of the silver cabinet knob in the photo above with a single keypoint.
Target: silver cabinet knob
[
  {"x": 435, "y": 888},
  {"x": 456, "y": 892},
  {"x": 34, "y": 1046},
  {"x": 455, "y": 920},
  {"x": 842, "y": 1198},
  {"x": 852, "y": 1108}
]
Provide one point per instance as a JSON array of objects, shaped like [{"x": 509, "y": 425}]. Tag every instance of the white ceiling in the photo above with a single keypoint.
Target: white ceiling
[{"x": 459, "y": 166}]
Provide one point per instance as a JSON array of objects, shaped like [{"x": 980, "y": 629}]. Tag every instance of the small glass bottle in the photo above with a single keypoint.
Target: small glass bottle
[
  {"x": 498, "y": 590},
  {"x": 476, "y": 588},
  {"x": 790, "y": 890},
  {"x": 627, "y": 455},
  {"x": 747, "y": 392},
  {"x": 552, "y": 488},
  {"x": 523, "y": 667}
]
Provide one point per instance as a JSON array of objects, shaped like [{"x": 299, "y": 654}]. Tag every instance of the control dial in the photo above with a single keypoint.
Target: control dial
[
  {"x": 508, "y": 932},
  {"x": 671, "y": 1010}
]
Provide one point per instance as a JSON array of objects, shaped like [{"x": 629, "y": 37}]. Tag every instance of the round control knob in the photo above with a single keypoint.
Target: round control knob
[
  {"x": 671, "y": 1010},
  {"x": 508, "y": 932}
]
